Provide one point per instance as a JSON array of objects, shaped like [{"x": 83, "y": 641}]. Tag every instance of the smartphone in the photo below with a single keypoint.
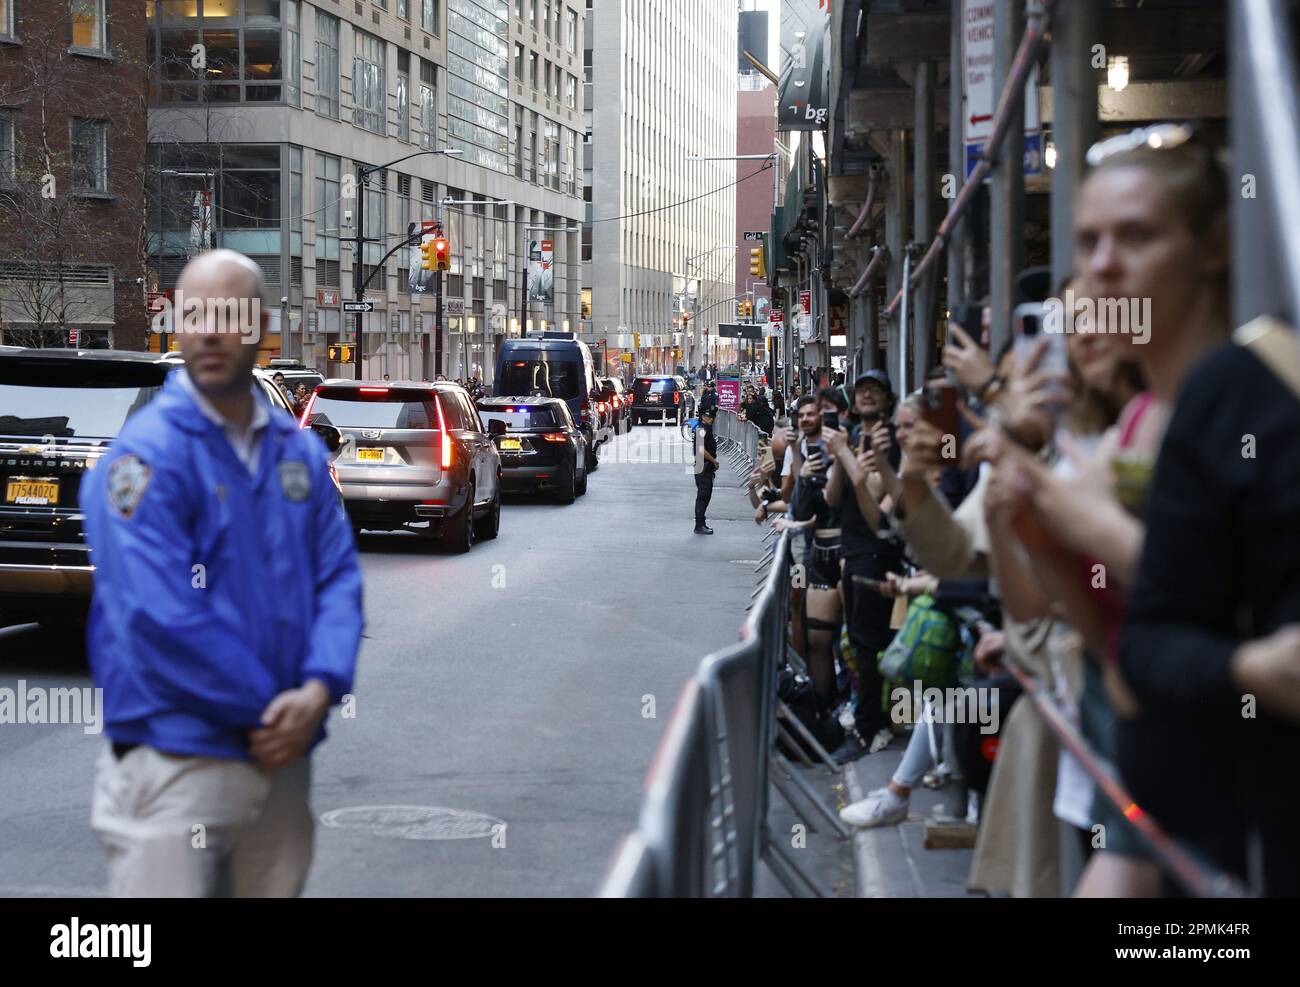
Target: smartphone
[
  {"x": 831, "y": 419},
  {"x": 970, "y": 316},
  {"x": 939, "y": 405},
  {"x": 1027, "y": 330},
  {"x": 1029, "y": 334}
]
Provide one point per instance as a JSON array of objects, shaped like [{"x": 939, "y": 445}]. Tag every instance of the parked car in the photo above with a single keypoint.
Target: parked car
[
  {"x": 620, "y": 403},
  {"x": 59, "y": 411},
  {"x": 294, "y": 373},
  {"x": 412, "y": 453},
  {"x": 556, "y": 365},
  {"x": 661, "y": 397},
  {"x": 541, "y": 447}
]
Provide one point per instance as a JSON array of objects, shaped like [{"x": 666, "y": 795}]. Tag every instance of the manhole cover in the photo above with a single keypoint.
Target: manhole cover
[{"x": 413, "y": 822}]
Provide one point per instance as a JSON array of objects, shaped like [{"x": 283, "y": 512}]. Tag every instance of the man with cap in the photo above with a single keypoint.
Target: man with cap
[
  {"x": 708, "y": 399},
  {"x": 226, "y": 616},
  {"x": 869, "y": 552},
  {"x": 706, "y": 464}
]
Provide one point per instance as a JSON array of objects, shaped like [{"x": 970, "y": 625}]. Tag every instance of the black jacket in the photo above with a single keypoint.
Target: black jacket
[{"x": 1220, "y": 566}]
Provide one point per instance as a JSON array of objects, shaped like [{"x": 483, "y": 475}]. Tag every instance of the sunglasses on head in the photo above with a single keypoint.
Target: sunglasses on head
[{"x": 1160, "y": 137}]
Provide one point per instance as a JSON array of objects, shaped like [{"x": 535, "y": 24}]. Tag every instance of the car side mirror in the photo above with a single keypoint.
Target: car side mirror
[
  {"x": 496, "y": 427},
  {"x": 330, "y": 435}
]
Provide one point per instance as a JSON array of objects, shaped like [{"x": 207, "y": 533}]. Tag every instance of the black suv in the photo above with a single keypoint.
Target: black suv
[
  {"x": 59, "y": 411},
  {"x": 661, "y": 397},
  {"x": 541, "y": 446}
]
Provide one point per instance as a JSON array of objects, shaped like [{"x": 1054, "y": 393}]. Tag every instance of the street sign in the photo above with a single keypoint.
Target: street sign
[
  {"x": 326, "y": 297},
  {"x": 805, "y": 302},
  {"x": 366, "y": 306},
  {"x": 752, "y": 235},
  {"x": 977, "y": 116},
  {"x": 739, "y": 330}
]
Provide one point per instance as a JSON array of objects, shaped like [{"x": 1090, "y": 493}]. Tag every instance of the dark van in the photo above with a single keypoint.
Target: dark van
[{"x": 556, "y": 365}]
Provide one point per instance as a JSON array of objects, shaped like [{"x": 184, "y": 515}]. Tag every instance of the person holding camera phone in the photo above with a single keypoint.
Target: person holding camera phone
[
  {"x": 817, "y": 446},
  {"x": 869, "y": 551}
]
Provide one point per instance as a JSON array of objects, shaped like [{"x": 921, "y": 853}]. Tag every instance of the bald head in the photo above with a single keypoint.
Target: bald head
[
  {"x": 221, "y": 314},
  {"x": 227, "y": 270}
]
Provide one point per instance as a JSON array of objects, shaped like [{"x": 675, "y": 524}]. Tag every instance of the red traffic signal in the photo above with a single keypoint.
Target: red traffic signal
[{"x": 441, "y": 254}]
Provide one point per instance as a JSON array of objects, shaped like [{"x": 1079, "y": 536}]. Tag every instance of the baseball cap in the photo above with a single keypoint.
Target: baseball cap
[{"x": 875, "y": 376}]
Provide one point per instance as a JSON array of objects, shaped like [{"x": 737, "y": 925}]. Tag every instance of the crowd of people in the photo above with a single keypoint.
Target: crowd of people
[{"x": 1120, "y": 528}]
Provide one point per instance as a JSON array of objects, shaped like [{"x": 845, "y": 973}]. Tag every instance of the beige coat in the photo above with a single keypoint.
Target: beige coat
[{"x": 1017, "y": 851}]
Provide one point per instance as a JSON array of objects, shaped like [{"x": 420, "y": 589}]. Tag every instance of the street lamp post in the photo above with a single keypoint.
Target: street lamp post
[
  {"x": 438, "y": 280},
  {"x": 360, "y": 280}
]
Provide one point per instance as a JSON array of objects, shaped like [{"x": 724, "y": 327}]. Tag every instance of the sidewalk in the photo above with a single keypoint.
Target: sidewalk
[{"x": 892, "y": 861}]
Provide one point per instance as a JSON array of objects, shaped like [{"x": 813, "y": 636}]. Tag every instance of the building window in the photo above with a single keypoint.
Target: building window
[
  {"x": 403, "y": 9},
  {"x": 429, "y": 16},
  {"x": 90, "y": 156},
  {"x": 326, "y": 207},
  {"x": 8, "y": 150},
  {"x": 571, "y": 91},
  {"x": 532, "y": 13},
  {"x": 368, "y": 81},
  {"x": 546, "y": 19},
  {"x": 532, "y": 69},
  {"x": 6, "y": 18},
  {"x": 428, "y": 104},
  {"x": 327, "y": 65},
  {"x": 570, "y": 162},
  {"x": 293, "y": 52},
  {"x": 404, "y": 95},
  {"x": 88, "y": 31},
  {"x": 519, "y": 62},
  {"x": 571, "y": 31}
]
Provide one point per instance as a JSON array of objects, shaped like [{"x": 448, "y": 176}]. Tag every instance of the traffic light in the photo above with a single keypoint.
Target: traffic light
[
  {"x": 441, "y": 253},
  {"x": 341, "y": 354},
  {"x": 333, "y": 352},
  {"x": 756, "y": 261},
  {"x": 426, "y": 255}
]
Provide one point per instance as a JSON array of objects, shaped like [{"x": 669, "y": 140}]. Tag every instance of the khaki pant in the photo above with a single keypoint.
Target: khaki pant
[{"x": 201, "y": 827}]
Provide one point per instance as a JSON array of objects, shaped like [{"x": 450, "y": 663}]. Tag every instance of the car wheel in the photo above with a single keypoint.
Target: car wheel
[
  {"x": 568, "y": 486},
  {"x": 593, "y": 458},
  {"x": 458, "y": 533},
  {"x": 489, "y": 526},
  {"x": 580, "y": 486}
]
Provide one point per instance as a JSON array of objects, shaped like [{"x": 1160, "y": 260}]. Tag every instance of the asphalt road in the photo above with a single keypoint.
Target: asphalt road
[{"x": 528, "y": 681}]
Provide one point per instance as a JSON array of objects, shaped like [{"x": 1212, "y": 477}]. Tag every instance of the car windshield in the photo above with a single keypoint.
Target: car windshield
[
  {"x": 647, "y": 386},
  {"x": 556, "y": 380},
  {"x": 520, "y": 419},
  {"x": 73, "y": 399},
  {"x": 366, "y": 412}
]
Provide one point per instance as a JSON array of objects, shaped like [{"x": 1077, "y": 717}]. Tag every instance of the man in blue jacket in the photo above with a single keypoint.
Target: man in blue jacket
[{"x": 226, "y": 615}]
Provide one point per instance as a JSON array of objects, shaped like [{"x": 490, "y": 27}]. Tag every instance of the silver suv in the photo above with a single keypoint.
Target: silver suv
[{"x": 412, "y": 453}]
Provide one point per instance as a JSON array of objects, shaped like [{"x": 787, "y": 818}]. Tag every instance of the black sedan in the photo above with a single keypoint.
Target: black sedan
[{"x": 541, "y": 449}]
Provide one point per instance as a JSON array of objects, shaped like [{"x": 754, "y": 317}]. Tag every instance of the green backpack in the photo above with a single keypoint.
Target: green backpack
[{"x": 926, "y": 648}]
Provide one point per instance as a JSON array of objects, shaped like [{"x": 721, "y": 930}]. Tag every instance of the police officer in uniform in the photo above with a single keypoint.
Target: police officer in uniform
[
  {"x": 706, "y": 464},
  {"x": 225, "y": 621}
]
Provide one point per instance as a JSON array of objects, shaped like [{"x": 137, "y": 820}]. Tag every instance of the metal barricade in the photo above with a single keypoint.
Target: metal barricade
[{"x": 703, "y": 825}]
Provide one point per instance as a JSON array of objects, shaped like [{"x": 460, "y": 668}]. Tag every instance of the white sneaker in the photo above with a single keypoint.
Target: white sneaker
[
  {"x": 880, "y": 808},
  {"x": 883, "y": 738}
]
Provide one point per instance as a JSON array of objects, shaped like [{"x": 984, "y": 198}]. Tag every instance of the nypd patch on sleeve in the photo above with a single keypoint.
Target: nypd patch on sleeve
[{"x": 128, "y": 478}]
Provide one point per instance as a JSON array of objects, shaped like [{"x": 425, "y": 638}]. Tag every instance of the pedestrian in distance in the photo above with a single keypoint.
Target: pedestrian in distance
[
  {"x": 706, "y": 465},
  {"x": 225, "y": 621}
]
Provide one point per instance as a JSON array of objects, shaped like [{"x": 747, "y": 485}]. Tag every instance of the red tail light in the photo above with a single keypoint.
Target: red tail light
[
  {"x": 374, "y": 390},
  {"x": 601, "y": 407},
  {"x": 555, "y": 437},
  {"x": 677, "y": 397},
  {"x": 446, "y": 438}
]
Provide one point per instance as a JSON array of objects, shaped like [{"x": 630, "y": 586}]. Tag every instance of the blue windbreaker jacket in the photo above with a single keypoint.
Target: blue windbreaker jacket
[{"x": 215, "y": 590}]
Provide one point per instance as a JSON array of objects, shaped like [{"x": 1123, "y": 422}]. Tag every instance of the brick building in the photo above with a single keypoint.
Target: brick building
[{"x": 73, "y": 133}]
